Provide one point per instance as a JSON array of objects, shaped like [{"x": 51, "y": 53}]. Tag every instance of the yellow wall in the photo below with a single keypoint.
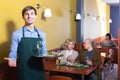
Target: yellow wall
[
  {"x": 96, "y": 28},
  {"x": 59, "y": 27}
]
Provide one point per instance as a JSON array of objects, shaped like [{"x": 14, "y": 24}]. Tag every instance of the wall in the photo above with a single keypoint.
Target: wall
[
  {"x": 114, "y": 13},
  {"x": 99, "y": 27},
  {"x": 59, "y": 27}
]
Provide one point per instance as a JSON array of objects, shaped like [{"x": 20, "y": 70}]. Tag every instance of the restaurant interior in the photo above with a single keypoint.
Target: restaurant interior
[{"x": 74, "y": 19}]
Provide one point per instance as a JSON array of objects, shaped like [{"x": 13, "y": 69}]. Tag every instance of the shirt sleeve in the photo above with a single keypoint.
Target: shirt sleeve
[
  {"x": 44, "y": 44},
  {"x": 75, "y": 55},
  {"x": 97, "y": 58},
  {"x": 14, "y": 46}
]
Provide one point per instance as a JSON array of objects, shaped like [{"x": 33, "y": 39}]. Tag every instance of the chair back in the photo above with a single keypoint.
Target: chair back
[
  {"x": 57, "y": 77},
  {"x": 78, "y": 46}
]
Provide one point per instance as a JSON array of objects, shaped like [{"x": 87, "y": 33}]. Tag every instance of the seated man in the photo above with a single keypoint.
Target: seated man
[
  {"x": 90, "y": 56},
  {"x": 69, "y": 54}
]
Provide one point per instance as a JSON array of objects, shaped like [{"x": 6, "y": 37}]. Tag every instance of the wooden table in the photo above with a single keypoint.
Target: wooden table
[{"x": 50, "y": 66}]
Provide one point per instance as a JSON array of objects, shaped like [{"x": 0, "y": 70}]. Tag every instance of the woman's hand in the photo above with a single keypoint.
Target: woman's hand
[
  {"x": 70, "y": 58},
  {"x": 11, "y": 62}
]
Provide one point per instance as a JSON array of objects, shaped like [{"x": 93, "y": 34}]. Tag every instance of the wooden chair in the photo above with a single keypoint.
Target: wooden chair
[
  {"x": 58, "y": 77},
  {"x": 78, "y": 46}
]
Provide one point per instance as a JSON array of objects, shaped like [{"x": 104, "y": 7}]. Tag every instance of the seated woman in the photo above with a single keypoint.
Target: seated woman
[
  {"x": 69, "y": 54},
  {"x": 108, "y": 41}
]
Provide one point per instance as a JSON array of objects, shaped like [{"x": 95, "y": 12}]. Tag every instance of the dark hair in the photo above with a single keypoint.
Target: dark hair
[
  {"x": 109, "y": 35},
  {"x": 27, "y": 8}
]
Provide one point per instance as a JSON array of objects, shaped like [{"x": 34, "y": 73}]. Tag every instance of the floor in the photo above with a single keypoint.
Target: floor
[{"x": 110, "y": 72}]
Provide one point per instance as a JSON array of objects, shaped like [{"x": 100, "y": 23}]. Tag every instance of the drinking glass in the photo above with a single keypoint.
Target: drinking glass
[
  {"x": 88, "y": 61},
  {"x": 39, "y": 48}
]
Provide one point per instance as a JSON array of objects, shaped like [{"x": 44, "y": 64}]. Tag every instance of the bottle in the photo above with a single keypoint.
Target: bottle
[
  {"x": 57, "y": 62},
  {"x": 88, "y": 61}
]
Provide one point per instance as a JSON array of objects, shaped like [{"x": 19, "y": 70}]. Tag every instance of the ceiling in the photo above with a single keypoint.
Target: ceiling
[{"x": 112, "y": 2}]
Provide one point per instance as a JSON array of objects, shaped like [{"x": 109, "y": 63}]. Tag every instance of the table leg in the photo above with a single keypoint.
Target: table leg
[
  {"x": 47, "y": 75},
  {"x": 82, "y": 77}
]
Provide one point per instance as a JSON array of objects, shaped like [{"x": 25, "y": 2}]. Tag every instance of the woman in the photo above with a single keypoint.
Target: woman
[
  {"x": 108, "y": 41},
  {"x": 69, "y": 54}
]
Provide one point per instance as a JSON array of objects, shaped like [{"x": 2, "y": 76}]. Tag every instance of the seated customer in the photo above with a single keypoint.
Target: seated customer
[
  {"x": 90, "y": 56},
  {"x": 110, "y": 68},
  {"x": 108, "y": 41},
  {"x": 69, "y": 54}
]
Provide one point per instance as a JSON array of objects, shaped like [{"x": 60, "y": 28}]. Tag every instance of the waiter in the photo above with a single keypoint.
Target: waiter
[{"x": 25, "y": 49}]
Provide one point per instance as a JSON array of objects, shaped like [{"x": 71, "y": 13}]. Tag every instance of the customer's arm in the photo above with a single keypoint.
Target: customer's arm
[
  {"x": 97, "y": 58},
  {"x": 81, "y": 57}
]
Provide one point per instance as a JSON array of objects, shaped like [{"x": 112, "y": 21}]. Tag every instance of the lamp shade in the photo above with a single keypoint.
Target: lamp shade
[
  {"x": 47, "y": 12},
  {"x": 94, "y": 18},
  {"x": 110, "y": 20},
  {"x": 78, "y": 16}
]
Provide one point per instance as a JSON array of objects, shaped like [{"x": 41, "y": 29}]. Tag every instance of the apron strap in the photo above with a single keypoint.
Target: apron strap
[
  {"x": 23, "y": 31},
  {"x": 37, "y": 32}
]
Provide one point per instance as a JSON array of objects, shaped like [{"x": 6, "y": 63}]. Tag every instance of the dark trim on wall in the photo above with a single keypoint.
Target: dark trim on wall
[
  {"x": 80, "y": 23},
  {"x": 114, "y": 13}
]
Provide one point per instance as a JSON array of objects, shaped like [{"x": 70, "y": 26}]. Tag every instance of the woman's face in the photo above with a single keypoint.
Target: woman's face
[
  {"x": 106, "y": 37},
  {"x": 29, "y": 16},
  {"x": 70, "y": 45}
]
